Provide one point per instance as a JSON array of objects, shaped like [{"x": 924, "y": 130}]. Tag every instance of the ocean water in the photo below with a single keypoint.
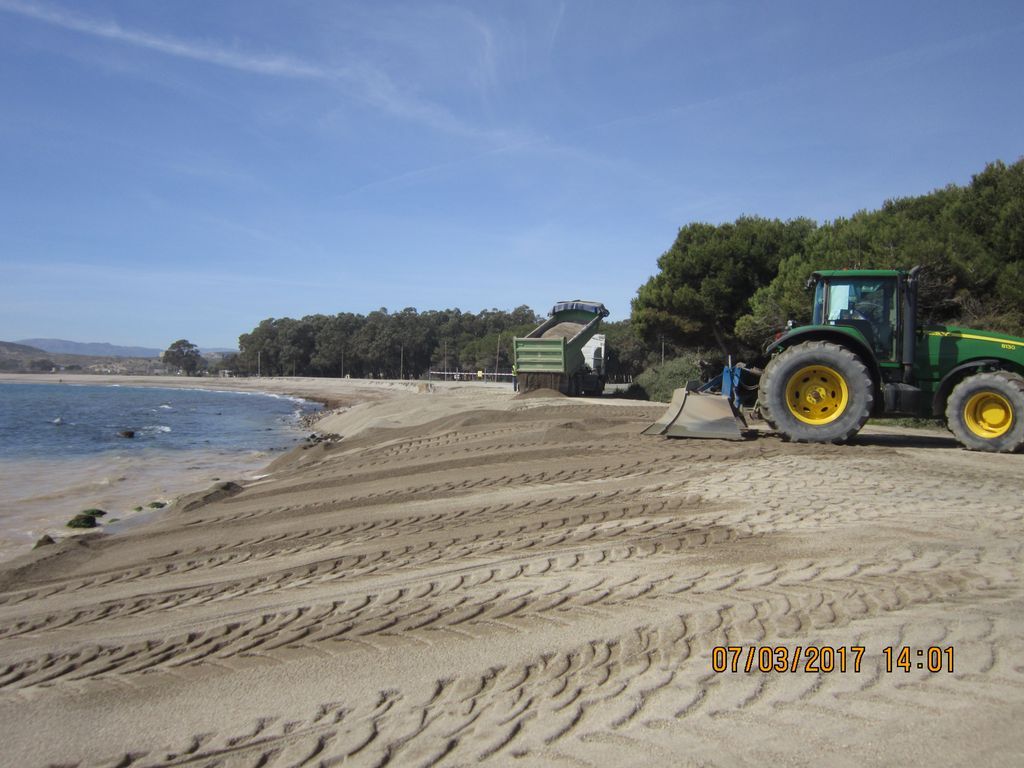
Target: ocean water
[
  {"x": 61, "y": 450},
  {"x": 52, "y": 420}
]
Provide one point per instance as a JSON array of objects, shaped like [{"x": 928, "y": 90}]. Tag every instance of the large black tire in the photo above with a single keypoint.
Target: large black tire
[
  {"x": 985, "y": 412},
  {"x": 816, "y": 392}
]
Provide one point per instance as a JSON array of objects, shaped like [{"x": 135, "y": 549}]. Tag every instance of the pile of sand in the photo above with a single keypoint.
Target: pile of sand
[{"x": 563, "y": 331}]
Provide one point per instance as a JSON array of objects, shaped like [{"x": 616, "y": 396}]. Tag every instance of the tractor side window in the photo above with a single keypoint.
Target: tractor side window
[
  {"x": 839, "y": 301},
  {"x": 870, "y": 307},
  {"x": 876, "y": 303}
]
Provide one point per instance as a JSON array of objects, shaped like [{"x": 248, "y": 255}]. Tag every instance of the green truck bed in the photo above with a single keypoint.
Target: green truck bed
[{"x": 551, "y": 354}]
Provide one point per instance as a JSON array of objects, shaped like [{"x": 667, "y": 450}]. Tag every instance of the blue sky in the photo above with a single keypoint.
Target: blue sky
[{"x": 185, "y": 169}]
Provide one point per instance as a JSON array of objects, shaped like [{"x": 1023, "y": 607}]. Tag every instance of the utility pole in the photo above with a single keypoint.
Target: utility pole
[
  {"x": 497, "y": 354},
  {"x": 259, "y": 368},
  {"x": 343, "y": 363},
  {"x": 401, "y": 361},
  {"x": 662, "y": 338},
  {"x": 446, "y": 359}
]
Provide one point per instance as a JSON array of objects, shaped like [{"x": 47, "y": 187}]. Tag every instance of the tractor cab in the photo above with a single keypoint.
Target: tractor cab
[{"x": 867, "y": 301}]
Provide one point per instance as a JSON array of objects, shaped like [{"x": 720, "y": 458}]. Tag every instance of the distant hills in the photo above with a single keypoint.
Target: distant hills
[
  {"x": 16, "y": 358},
  {"x": 21, "y": 357},
  {"x": 91, "y": 348},
  {"x": 11, "y": 350},
  {"x": 101, "y": 349}
]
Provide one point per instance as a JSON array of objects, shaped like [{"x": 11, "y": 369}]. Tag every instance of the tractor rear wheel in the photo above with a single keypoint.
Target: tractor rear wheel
[
  {"x": 816, "y": 392},
  {"x": 985, "y": 412}
]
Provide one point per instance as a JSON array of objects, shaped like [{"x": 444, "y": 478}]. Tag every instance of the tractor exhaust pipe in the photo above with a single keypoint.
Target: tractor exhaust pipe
[{"x": 909, "y": 324}]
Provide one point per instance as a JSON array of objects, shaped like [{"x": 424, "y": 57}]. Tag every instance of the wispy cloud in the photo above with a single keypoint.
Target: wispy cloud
[
  {"x": 380, "y": 91},
  {"x": 279, "y": 66},
  {"x": 365, "y": 81}
]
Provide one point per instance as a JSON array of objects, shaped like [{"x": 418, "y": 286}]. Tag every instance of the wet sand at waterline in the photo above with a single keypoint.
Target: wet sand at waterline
[
  {"x": 39, "y": 496},
  {"x": 472, "y": 577}
]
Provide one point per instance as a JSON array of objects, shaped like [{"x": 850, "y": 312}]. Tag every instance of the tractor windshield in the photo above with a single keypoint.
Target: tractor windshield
[{"x": 867, "y": 304}]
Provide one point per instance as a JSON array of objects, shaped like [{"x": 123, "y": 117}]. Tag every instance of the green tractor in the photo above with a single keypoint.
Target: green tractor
[{"x": 865, "y": 354}]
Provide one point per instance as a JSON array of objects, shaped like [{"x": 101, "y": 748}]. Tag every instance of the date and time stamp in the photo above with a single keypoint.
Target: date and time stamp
[{"x": 828, "y": 658}]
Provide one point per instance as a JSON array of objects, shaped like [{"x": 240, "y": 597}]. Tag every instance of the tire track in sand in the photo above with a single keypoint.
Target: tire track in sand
[
  {"x": 511, "y": 596},
  {"x": 649, "y": 687}
]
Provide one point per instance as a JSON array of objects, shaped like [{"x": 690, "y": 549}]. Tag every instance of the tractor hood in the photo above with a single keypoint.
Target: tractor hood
[{"x": 943, "y": 347}]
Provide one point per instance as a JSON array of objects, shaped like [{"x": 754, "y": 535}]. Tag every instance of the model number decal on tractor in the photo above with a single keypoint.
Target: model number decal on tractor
[{"x": 973, "y": 337}]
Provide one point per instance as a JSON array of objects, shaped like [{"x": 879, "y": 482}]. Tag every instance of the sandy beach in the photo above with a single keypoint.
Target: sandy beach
[{"x": 469, "y": 576}]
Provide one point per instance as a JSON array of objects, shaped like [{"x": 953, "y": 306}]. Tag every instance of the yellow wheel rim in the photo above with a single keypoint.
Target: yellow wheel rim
[
  {"x": 988, "y": 414},
  {"x": 817, "y": 394}
]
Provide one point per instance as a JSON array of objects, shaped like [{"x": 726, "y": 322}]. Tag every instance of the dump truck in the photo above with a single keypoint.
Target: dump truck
[
  {"x": 562, "y": 352},
  {"x": 866, "y": 353}
]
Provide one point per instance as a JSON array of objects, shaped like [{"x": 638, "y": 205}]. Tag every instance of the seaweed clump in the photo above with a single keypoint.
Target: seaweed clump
[
  {"x": 82, "y": 521},
  {"x": 86, "y": 518}
]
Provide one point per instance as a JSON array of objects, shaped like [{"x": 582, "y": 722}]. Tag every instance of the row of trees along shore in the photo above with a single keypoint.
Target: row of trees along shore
[
  {"x": 721, "y": 288},
  {"x": 383, "y": 344},
  {"x": 406, "y": 344}
]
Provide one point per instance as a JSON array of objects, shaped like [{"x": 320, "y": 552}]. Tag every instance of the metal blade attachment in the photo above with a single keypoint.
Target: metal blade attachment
[{"x": 692, "y": 414}]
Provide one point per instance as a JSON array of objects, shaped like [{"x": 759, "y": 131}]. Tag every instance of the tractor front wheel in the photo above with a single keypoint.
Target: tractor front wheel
[
  {"x": 816, "y": 392},
  {"x": 985, "y": 412}
]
